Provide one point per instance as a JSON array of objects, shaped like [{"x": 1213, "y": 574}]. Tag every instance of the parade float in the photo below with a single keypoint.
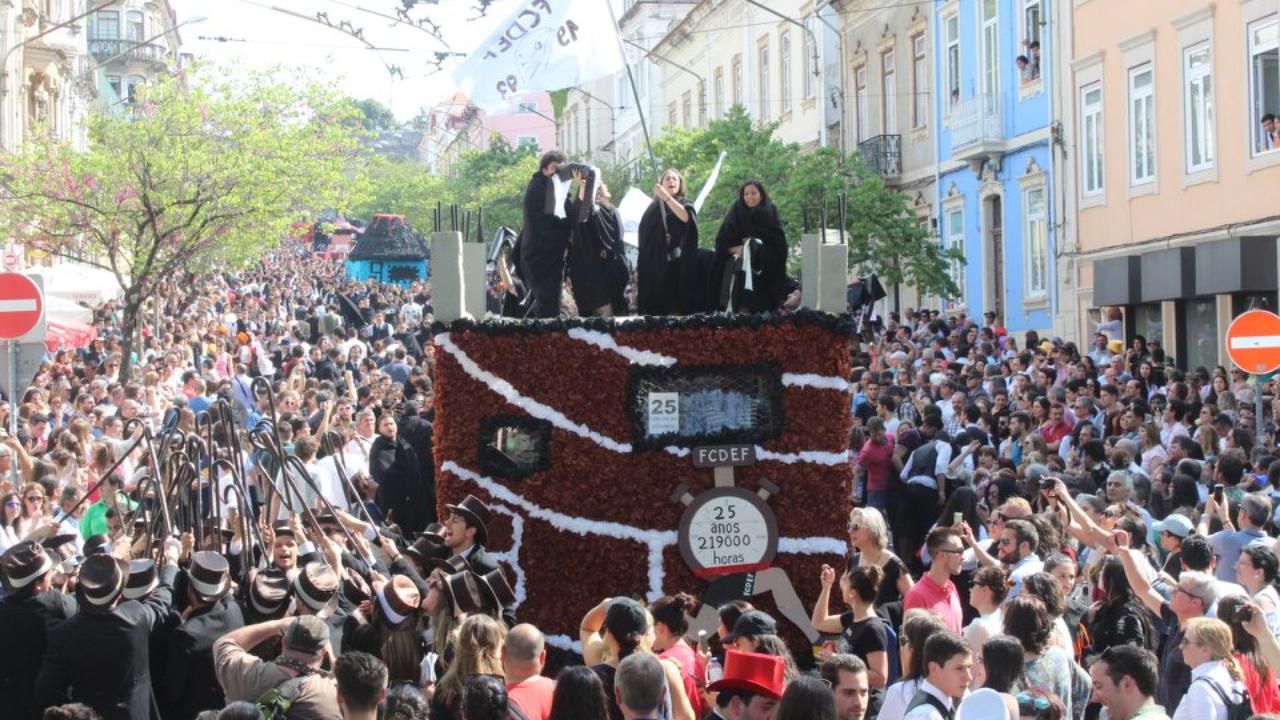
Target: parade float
[{"x": 647, "y": 456}]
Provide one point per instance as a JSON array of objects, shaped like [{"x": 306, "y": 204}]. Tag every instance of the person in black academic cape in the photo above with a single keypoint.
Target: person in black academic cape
[
  {"x": 597, "y": 259},
  {"x": 753, "y": 219},
  {"x": 29, "y": 610},
  {"x": 667, "y": 267},
  {"x": 418, "y": 433},
  {"x": 393, "y": 464},
  {"x": 544, "y": 239},
  {"x": 190, "y": 685}
]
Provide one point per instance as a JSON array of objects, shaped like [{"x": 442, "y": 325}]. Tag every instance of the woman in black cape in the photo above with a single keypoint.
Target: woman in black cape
[
  {"x": 667, "y": 276},
  {"x": 597, "y": 259},
  {"x": 753, "y": 218}
]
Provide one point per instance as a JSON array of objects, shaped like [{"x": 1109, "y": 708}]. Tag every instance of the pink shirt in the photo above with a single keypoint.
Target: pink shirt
[
  {"x": 878, "y": 461},
  {"x": 942, "y": 599},
  {"x": 533, "y": 696}
]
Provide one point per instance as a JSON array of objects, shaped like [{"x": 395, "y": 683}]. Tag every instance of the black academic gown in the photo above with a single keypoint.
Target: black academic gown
[
  {"x": 102, "y": 659},
  {"x": 189, "y": 684},
  {"x": 401, "y": 493},
  {"x": 482, "y": 562},
  {"x": 768, "y": 260},
  {"x": 597, "y": 261},
  {"x": 25, "y": 623},
  {"x": 417, "y": 431},
  {"x": 543, "y": 243},
  {"x": 667, "y": 265}
]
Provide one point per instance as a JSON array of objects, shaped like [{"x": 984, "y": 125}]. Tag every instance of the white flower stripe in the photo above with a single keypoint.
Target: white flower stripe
[
  {"x": 604, "y": 341},
  {"x": 813, "y": 380},
  {"x": 512, "y": 556},
  {"x": 544, "y": 412},
  {"x": 818, "y": 457}
]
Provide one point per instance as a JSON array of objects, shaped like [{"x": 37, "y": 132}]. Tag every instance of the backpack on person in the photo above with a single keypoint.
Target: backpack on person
[
  {"x": 275, "y": 703},
  {"x": 1241, "y": 709}
]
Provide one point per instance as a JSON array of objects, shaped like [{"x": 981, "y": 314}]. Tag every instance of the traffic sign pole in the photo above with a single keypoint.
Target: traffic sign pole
[
  {"x": 11, "y": 348},
  {"x": 1253, "y": 343}
]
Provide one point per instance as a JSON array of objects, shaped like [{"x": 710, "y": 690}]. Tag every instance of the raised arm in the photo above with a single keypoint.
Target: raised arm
[
  {"x": 1118, "y": 544},
  {"x": 822, "y": 619}
]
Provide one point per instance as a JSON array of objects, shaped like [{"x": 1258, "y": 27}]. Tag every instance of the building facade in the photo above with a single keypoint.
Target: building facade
[
  {"x": 1175, "y": 156},
  {"x": 997, "y": 156},
  {"x": 47, "y": 84},
  {"x": 131, "y": 43},
  {"x": 890, "y": 119},
  {"x": 456, "y": 126}
]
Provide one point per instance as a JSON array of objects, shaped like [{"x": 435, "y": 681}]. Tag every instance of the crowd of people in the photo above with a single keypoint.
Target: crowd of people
[{"x": 243, "y": 524}]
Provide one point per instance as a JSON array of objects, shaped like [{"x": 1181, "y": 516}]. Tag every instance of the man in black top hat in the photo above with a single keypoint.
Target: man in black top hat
[
  {"x": 466, "y": 530},
  {"x": 100, "y": 656},
  {"x": 31, "y": 607},
  {"x": 189, "y": 682}
]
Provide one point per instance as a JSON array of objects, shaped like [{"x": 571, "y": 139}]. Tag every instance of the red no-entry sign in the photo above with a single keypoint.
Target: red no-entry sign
[
  {"x": 1253, "y": 342},
  {"x": 21, "y": 305}
]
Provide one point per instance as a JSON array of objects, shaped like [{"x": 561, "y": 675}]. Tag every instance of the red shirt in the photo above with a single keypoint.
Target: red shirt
[
  {"x": 942, "y": 599},
  {"x": 533, "y": 696},
  {"x": 878, "y": 460},
  {"x": 1054, "y": 433},
  {"x": 691, "y": 672},
  {"x": 1265, "y": 696}
]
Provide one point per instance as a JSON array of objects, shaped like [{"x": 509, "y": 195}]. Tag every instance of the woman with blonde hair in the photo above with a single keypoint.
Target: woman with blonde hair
[
  {"x": 480, "y": 641},
  {"x": 1216, "y": 677},
  {"x": 869, "y": 538}
]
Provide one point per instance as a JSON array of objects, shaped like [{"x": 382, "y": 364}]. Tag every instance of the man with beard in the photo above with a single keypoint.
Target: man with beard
[
  {"x": 393, "y": 464},
  {"x": 544, "y": 239},
  {"x": 1018, "y": 543},
  {"x": 847, "y": 677}
]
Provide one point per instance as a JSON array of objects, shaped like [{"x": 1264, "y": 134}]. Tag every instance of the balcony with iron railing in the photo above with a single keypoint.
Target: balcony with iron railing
[
  {"x": 103, "y": 49},
  {"x": 977, "y": 128},
  {"x": 883, "y": 155}
]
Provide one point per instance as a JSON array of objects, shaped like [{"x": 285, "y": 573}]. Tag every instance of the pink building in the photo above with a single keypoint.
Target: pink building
[{"x": 457, "y": 126}]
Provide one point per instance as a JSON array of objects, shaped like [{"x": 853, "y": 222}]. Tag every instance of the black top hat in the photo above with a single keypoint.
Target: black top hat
[
  {"x": 464, "y": 593},
  {"x": 102, "y": 579},
  {"x": 398, "y": 599},
  {"x": 269, "y": 592},
  {"x": 311, "y": 556},
  {"x": 424, "y": 549},
  {"x": 454, "y": 564},
  {"x": 24, "y": 564},
  {"x": 316, "y": 586},
  {"x": 97, "y": 545},
  {"x": 499, "y": 590},
  {"x": 143, "y": 578},
  {"x": 356, "y": 588},
  {"x": 282, "y": 528},
  {"x": 61, "y": 546},
  {"x": 434, "y": 533},
  {"x": 209, "y": 575},
  {"x": 477, "y": 515},
  {"x": 224, "y": 526}
]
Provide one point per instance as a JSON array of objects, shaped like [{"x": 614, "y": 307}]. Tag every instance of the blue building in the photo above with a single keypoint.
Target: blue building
[
  {"x": 995, "y": 149},
  {"x": 390, "y": 252}
]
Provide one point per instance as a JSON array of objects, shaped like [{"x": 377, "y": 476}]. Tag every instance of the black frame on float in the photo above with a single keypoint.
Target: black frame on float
[
  {"x": 640, "y": 438},
  {"x": 493, "y": 463}
]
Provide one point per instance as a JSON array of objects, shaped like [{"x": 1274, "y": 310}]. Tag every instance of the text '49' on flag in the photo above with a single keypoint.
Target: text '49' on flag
[{"x": 543, "y": 45}]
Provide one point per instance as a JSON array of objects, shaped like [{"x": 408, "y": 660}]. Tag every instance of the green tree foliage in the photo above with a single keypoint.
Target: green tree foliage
[
  {"x": 377, "y": 117},
  {"x": 882, "y": 232},
  {"x": 207, "y": 169},
  {"x": 399, "y": 187}
]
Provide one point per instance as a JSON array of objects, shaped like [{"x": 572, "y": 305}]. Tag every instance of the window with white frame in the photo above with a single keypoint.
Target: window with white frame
[
  {"x": 1264, "y": 83},
  {"x": 989, "y": 43},
  {"x": 117, "y": 86},
  {"x": 919, "y": 83},
  {"x": 784, "y": 69},
  {"x": 951, "y": 29},
  {"x": 135, "y": 28},
  {"x": 107, "y": 24},
  {"x": 1091, "y": 130},
  {"x": 1198, "y": 106},
  {"x": 1037, "y": 241},
  {"x": 737, "y": 80},
  {"x": 763, "y": 80},
  {"x": 1142, "y": 125},
  {"x": 718, "y": 89},
  {"x": 862, "y": 104},
  {"x": 686, "y": 110},
  {"x": 955, "y": 243},
  {"x": 807, "y": 47},
  {"x": 1032, "y": 17},
  {"x": 888, "y": 94}
]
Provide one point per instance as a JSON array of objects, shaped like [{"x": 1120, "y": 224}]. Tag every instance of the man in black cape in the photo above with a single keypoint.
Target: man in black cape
[{"x": 544, "y": 240}]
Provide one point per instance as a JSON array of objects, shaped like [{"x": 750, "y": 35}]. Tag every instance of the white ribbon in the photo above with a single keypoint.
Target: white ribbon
[{"x": 746, "y": 262}]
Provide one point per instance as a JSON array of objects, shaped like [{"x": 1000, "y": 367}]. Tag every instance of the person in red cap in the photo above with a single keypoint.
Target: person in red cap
[{"x": 751, "y": 686}]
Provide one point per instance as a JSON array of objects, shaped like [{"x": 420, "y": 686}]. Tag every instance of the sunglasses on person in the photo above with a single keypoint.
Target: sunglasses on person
[
  {"x": 35, "y": 498},
  {"x": 1031, "y": 704},
  {"x": 13, "y": 504}
]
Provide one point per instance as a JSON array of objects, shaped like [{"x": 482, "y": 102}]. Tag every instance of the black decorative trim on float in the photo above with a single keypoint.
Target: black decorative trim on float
[
  {"x": 770, "y": 372},
  {"x": 496, "y": 464},
  {"x": 840, "y": 324}
]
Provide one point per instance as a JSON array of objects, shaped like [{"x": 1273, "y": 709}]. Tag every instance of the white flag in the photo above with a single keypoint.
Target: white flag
[
  {"x": 543, "y": 45},
  {"x": 711, "y": 183}
]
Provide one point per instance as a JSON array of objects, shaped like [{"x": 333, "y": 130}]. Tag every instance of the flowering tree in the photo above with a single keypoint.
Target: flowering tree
[{"x": 205, "y": 170}]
